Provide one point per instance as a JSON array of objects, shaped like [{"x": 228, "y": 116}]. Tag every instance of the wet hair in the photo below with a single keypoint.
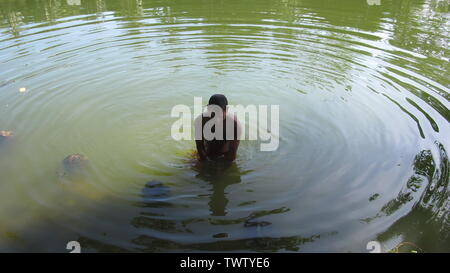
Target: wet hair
[{"x": 219, "y": 100}]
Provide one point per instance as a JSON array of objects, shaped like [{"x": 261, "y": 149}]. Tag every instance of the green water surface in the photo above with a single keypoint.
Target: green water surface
[{"x": 363, "y": 88}]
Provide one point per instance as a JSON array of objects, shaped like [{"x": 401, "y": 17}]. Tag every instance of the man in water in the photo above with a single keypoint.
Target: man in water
[{"x": 221, "y": 145}]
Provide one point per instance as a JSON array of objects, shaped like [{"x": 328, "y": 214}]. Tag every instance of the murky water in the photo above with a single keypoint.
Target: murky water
[{"x": 363, "y": 88}]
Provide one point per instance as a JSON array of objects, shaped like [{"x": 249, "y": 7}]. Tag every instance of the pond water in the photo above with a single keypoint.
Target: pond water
[{"x": 363, "y": 90}]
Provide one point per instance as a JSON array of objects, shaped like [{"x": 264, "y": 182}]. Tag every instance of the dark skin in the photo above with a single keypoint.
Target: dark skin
[{"x": 215, "y": 149}]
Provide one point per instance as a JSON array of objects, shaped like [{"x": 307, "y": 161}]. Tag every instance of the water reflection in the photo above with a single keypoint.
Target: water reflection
[
  {"x": 74, "y": 2},
  {"x": 430, "y": 182},
  {"x": 220, "y": 175},
  {"x": 89, "y": 62},
  {"x": 262, "y": 244},
  {"x": 373, "y": 2}
]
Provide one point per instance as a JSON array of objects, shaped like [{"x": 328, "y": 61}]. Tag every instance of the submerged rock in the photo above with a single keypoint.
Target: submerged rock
[
  {"x": 73, "y": 167},
  {"x": 76, "y": 181},
  {"x": 75, "y": 161},
  {"x": 155, "y": 189}
]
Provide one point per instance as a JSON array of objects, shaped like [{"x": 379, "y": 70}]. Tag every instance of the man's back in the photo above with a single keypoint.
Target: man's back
[{"x": 223, "y": 144}]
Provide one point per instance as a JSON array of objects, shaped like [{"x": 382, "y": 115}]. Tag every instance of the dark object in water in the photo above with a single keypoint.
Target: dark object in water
[
  {"x": 5, "y": 136},
  {"x": 74, "y": 166},
  {"x": 155, "y": 189},
  {"x": 74, "y": 161}
]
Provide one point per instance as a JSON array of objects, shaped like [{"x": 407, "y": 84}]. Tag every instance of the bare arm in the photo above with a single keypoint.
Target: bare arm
[
  {"x": 201, "y": 149},
  {"x": 198, "y": 123}
]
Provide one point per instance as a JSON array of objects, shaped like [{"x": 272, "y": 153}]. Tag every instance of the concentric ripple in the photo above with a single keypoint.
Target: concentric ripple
[{"x": 363, "y": 90}]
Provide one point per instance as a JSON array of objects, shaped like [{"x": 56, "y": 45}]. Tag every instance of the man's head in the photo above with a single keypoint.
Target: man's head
[{"x": 219, "y": 100}]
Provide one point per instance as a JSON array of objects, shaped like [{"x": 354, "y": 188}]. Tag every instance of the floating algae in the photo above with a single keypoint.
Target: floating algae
[{"x": 189, "y": 155}]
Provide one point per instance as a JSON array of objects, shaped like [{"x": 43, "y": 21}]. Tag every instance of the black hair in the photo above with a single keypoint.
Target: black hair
[{"x": 219, "y": 100}]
